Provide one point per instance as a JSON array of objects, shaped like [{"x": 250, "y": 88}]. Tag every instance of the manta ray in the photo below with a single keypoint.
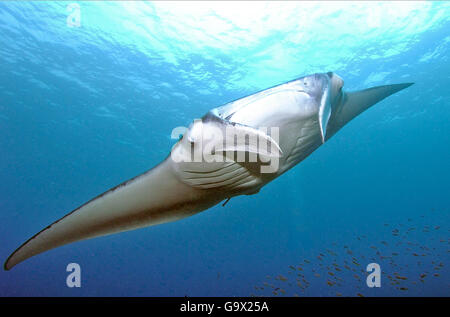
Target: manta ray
[{"x": 249, "y": 142}]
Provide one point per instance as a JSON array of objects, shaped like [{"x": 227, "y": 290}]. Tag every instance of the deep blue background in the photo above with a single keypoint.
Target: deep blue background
[{"x": 83, "y": 109}]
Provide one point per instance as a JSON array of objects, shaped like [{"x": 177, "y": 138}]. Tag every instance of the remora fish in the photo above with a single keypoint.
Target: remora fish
[{"x": 301, "y": 115}]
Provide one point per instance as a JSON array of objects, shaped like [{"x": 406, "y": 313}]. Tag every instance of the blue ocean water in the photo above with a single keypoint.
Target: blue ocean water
[{"x": 84, "y": 108}]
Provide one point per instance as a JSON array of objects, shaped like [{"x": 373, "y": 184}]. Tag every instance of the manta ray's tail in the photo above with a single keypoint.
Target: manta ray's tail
[{"x": 151, "y": 198}]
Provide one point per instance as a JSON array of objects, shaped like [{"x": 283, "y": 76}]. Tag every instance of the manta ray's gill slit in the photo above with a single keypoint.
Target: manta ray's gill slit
[
  {"x": 218, "y": 172},
  {"x": 227, "y": 183},
  {"x": 217, "y": 178},
  {"x": 209, "y": 171}
]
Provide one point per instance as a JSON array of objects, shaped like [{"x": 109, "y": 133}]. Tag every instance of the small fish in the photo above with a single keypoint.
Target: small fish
[
  {"x": 403, "y": 288},
  {"x": 423, "y": 275},
  {"x": 360, "y": 295},
  {"x": 401, "y": 277},
  {"x": 436, "y": 274},
  {"x": 282, "y": 278},
  {"x": 338, "y": 294},
  {"x": 331, "y": 273},
  {"x": 330, "y": 283},
  {"x": 317, "y": 275}
]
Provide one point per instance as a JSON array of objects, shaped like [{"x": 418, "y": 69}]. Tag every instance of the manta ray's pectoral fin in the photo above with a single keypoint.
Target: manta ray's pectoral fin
[
  {"x": 230, "y": 162},
  {"x": 154, "y": 197},
  {"x": 354, "y": 103},
  {"x": 358, "y": 101}
]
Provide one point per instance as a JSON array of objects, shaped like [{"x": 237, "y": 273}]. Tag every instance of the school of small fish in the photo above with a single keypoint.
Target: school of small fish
[{"x": 406, "y": 262}]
